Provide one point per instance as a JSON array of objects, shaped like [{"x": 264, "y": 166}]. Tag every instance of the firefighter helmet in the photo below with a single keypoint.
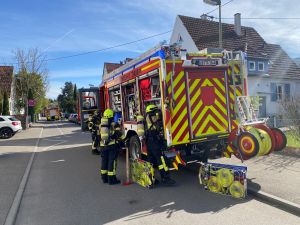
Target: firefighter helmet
[
  {"x": 151, "y": 108},
  {"x": 108, "y": 113}
]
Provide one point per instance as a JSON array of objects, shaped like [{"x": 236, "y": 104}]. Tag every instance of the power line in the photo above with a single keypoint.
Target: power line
[
  {"x": 103, "y": 49},
  {"x": 262, "y": 18},
  {"x": 115, "y": 46},
  {"x": 218, "y": 7}
]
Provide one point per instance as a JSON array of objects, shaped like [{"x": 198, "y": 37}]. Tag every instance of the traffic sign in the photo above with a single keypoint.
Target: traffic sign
[{"x": 31, "y": 102}]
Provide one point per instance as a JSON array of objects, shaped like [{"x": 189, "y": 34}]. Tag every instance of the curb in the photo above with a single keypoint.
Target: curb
[{"x": 275, "y": 201}]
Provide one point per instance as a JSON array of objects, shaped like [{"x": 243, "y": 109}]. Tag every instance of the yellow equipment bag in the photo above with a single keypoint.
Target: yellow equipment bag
[{"x": 142, "y": 173}]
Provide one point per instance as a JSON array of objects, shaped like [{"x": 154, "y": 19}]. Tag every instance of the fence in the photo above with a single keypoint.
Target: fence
[{"x": 280, "y": 122}]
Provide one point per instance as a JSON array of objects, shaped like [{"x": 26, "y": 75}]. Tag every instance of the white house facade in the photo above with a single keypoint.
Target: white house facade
[{"x": 272, "y": 74}]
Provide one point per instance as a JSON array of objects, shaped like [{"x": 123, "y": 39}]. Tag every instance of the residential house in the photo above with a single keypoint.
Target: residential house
[
  {"x": 297, "y": 61},
  {"x": 272, "y": 74},
  {"x": 109, "y": 67}
]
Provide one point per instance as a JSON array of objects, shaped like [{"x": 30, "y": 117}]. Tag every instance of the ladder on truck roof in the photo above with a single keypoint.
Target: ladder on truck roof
[
  {"x": 131, "y": 64},
  {"x": 244, "y": 107}
]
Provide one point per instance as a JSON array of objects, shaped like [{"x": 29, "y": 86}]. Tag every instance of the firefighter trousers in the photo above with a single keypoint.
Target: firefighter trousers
[
  {"x": 109, "y": 155},
  {"x": 95, "y": 140},
  {"x": 156, "y": 157}
]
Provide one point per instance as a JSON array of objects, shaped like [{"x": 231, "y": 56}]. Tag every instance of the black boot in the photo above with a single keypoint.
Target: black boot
[
  {"x": 113, "y": 180},
  {"x": 166, "y": 179},
  {"x": 95, "y": 152},
  {"x": 104, "y": 178}
]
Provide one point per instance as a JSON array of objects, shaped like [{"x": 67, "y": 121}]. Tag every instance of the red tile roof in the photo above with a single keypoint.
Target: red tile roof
[{"x": 111, "y": 66}]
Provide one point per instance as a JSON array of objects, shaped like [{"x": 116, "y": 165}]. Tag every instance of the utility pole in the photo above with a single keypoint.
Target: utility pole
[{"x": 214, "y": 3}]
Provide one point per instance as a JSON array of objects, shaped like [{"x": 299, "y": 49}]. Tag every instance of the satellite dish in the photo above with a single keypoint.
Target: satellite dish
[{"x": 212, "y": 2}]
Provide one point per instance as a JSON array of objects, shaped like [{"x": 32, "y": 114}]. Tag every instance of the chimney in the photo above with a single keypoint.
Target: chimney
[{"x": 237, "y": 24}]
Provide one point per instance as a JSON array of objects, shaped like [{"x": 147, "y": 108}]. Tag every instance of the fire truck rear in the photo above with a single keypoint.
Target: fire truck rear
[{"x": 203, "y": 98}]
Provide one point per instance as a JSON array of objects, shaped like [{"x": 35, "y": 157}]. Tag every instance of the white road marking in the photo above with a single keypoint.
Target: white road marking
[
  {"x": 47, "y": 148},
  {"x": 60, "y": 130},
  {"x": 60, "y": 160}
]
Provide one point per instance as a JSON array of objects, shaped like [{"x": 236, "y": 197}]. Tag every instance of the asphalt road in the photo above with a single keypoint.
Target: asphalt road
[{"x": 64, "y": 188}]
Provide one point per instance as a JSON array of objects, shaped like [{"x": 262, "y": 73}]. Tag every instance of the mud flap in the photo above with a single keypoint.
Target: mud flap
[
  {"x": 224, "y": 179},
  {"x": 142, "y": 173}
]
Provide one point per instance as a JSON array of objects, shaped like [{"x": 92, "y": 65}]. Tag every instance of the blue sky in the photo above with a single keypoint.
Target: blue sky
[{"x": 65, "y": 27}]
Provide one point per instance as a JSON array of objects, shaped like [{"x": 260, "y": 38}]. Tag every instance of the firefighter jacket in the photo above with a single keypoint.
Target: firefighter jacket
[
  {"x": 95, "y": 122},
  {"x": 154, "y": 131}
]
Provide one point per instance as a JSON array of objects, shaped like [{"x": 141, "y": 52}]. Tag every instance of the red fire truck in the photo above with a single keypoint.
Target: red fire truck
[{"x": 203, "y": 99}]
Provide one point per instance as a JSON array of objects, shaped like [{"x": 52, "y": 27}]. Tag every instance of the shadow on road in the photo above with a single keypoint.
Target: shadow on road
[{"x": 44, "y": 141}]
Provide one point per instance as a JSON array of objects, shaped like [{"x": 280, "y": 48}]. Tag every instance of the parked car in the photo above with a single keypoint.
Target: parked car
[
  {"x": 73, "y": 117},
  {"x": 9, "y": 125}
]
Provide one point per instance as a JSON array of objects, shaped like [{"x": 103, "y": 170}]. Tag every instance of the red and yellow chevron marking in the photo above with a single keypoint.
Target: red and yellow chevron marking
[
  {"x": 236, "y": 67},
  {"x": 179, "y": 112},
  {"x": 208, "y": 118}
]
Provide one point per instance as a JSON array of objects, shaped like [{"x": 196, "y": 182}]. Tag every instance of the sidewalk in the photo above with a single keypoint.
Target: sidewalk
[{"x": 275, "y": 174}]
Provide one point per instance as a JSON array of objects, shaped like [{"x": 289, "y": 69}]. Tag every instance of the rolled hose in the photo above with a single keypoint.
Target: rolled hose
[
  {"x": 225, "y": 177},
  {"x": 213, "y": 184},
  {"x": 264, "y": 140},
  {"x": 280, "y": 139},
  {"x": 265, "y": 128},
  {"x": 248, "y": 145},
  {"x": 237, "y": 190}
]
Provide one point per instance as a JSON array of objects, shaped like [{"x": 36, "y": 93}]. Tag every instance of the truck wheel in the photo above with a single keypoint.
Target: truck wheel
[
  {"x": 135, "y": 147},
  {"x": 6, "y": 133}
]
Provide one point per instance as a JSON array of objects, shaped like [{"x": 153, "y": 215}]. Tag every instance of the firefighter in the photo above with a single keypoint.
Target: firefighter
[
  {"x": 93, "y": 125},
  {"x": 155, "y": 143},
  {"x": 110, "y": 134}
]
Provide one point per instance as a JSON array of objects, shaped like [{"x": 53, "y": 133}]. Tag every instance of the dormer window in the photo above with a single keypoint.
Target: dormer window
[{"x": 261, "y": 66}]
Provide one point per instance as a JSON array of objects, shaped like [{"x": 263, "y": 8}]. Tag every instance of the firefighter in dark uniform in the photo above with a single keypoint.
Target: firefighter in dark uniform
[
  {"x": 155, "y": 143},
  {"x": 110, "y": 133},
  {"x": 93, "y": 125}
]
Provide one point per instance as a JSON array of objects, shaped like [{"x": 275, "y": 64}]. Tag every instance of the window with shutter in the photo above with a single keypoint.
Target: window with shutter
[
  {"x": 273, "y": 92},
  {"x": 287, "y": 92}
]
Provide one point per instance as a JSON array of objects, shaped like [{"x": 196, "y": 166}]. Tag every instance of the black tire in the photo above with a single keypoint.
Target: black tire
[
  {"x": 6, "y": 133},
  {"x": 135, "y": 147}
]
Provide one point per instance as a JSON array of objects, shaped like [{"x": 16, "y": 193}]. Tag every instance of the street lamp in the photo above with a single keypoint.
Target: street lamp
[{"x": 217, "y": 2}]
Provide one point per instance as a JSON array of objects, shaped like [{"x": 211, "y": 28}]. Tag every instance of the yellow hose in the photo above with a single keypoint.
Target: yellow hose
[
  {"x": 225, "y": 177},
  {"x": 264, "y": 140},
  {"x": 213, "y": 184},
  {"x": 237, "y": 190}
]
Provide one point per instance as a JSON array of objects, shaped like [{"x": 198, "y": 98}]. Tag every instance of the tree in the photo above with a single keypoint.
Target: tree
[
  {"x": 5, "y": 107},
  {"x": 291, "y": 115},
  {"x": 66, "y": 98},
  {"x": 1, "y": 104},
  {"x": 75, "y": 96},
  {"x": 32, "y": 76},
  {"x": 30, "y": 108}
]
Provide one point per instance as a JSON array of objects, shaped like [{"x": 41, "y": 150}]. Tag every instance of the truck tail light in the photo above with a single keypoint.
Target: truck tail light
[{"x": 15, "y": 123}]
